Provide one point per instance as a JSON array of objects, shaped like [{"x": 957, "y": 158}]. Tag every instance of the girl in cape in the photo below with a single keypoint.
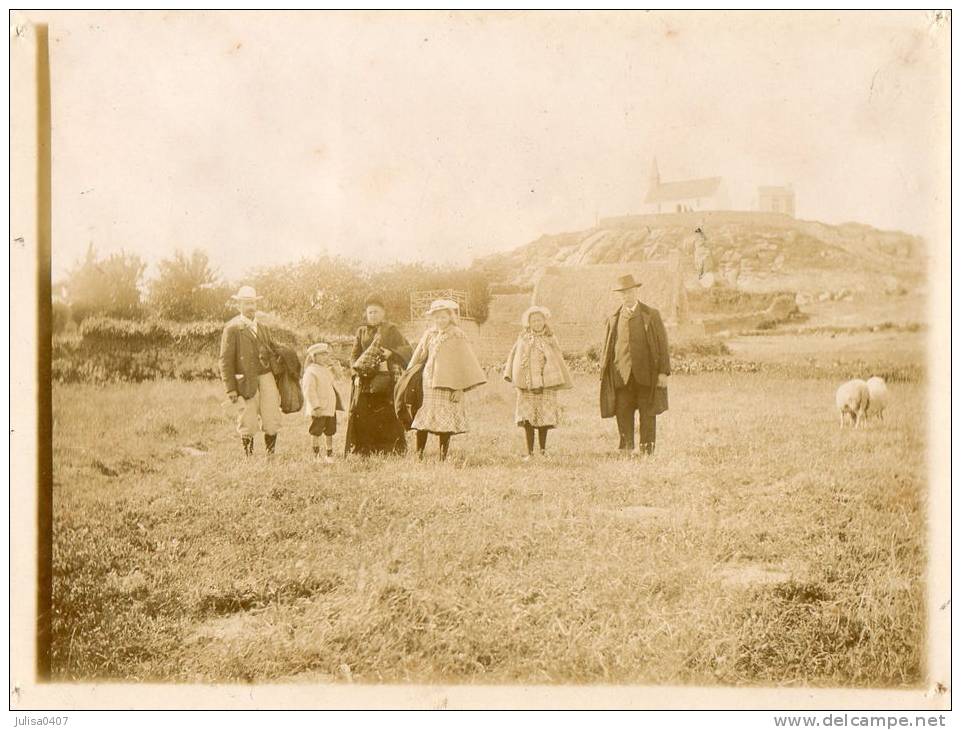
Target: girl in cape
[
  {"x": 450, "y": 369},
  {"x": 537, "y": 370}
]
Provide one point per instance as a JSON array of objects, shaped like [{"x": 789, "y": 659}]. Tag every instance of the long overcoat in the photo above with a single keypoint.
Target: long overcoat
[{"x": 657, "y": 347}]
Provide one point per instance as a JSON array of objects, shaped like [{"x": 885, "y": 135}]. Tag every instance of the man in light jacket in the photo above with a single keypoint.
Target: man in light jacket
[
  {"x": 246, "y": 348},
  {"x": 635, "y": 365}
]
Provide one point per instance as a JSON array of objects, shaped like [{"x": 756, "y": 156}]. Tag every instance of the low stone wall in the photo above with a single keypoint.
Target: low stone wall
[
  {"x": 578, "y": 338},
  {"x": 492, "y": 341}
]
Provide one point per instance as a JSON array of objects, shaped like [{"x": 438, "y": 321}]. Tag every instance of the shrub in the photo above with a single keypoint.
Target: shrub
[
  {"x": 328, "y": 293},
  {"x": 106, "y": 350},
  {"x": 108, "y": 287},
  {"x": 111, "y": 333},
  {"x": 696, "y": 357},
  {"x": 397, "y": 283},
  {"x": 701, "y": 346},
  {"x": 580, "y": 362},
  {"x": 195, "y": 336},
  {"x": 60, "y": 316},
  {"x": 324, "y": 292},
  {"x": 110, "y": 367},
  {"x": 187, "y": 288},
  {"x": 728, "y": 300}
]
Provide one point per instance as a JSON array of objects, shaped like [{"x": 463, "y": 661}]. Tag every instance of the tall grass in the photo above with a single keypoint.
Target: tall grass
[{"x": 581, "y": 568}]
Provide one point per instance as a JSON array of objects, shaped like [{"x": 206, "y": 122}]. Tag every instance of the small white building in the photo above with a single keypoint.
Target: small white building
[
  {"x": 776, "y": 199},
  {"x": 684, "y": 196}
]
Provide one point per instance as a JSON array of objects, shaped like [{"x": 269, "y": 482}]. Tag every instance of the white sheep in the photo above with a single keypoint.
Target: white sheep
[
  {"x": 852, "y": 400},
  {"x": 878, "y": 394}
]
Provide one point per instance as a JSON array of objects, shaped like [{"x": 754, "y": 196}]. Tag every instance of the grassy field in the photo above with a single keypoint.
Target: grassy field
[
  {"x": 760, "y": 545},
  {"x": 899, "y": 348}
]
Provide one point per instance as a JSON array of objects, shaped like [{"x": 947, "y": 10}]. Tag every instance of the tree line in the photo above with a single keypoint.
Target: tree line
[{"x": 324, "y": 292}]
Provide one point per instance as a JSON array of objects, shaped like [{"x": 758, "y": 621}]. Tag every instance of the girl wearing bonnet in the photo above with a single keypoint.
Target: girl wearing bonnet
[
  {"x": 537, "y": 370},
  {"x": 450, "y": 368}
]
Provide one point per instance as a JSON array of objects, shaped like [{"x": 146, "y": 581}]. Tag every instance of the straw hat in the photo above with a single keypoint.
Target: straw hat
[
  {"x": 246, "y": 294},
  {"x": 440, "y": 304},
  {"x": 536, "y": 309},
  {"x": 626, "y": 282},
  {"x": 319, "y": 348}
]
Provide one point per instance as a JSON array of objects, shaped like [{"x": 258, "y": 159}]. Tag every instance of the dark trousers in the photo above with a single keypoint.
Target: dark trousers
[{"x": 629, "y": 399}]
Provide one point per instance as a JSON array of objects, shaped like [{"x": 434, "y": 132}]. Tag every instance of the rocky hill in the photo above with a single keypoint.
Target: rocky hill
[{"x": 760, "y": 252}]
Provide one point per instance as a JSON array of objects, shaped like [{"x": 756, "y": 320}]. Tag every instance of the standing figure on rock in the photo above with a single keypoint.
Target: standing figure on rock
[
  {"x": 537, "y": 370},
  {"x": 635, "y": 365},
  {"x": 379, "y": 356},
  {"x": 704, "y": 264}
]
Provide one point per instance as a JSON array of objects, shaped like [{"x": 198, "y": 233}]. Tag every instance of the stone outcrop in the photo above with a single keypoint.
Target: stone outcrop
[{"x": 748, "y": 250}]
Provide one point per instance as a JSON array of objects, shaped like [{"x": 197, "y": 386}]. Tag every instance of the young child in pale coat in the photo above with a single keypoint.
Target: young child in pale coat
[
  {"x": 536, "y": 368},
  {"x": 321, "y": 399}
]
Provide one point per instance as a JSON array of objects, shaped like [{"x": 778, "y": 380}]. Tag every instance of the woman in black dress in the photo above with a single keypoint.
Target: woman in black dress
[{"x": 379, "y": 356}]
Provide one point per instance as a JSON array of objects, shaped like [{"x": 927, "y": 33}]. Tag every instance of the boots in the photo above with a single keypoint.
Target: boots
[
  {"x": 270, "y": 441},
  {"x": 248, "y": 442}
]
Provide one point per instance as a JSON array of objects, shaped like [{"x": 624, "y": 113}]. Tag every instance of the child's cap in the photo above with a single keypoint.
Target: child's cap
[
  {"x": 319, "y": 348},
  {"x": 526, "y": 317}
]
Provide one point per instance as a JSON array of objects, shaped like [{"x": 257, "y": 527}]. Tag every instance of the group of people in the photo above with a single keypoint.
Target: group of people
[{"x": 396, "y": 388}]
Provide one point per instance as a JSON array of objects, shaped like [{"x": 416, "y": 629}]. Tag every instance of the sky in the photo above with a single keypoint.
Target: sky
[{"x": 438, "y": 137}]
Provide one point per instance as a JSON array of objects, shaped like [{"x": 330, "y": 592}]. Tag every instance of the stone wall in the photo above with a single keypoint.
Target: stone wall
[{"x": 581, "y": 298}]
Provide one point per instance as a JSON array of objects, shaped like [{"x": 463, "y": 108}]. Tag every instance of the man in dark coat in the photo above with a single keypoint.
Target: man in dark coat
[
  {"x": 246, "y": 348},
  {"x": 634, "y": 368}
]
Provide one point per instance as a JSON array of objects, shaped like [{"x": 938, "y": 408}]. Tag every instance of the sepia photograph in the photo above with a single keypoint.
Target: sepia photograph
[{"x": 596, "y": 354}]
